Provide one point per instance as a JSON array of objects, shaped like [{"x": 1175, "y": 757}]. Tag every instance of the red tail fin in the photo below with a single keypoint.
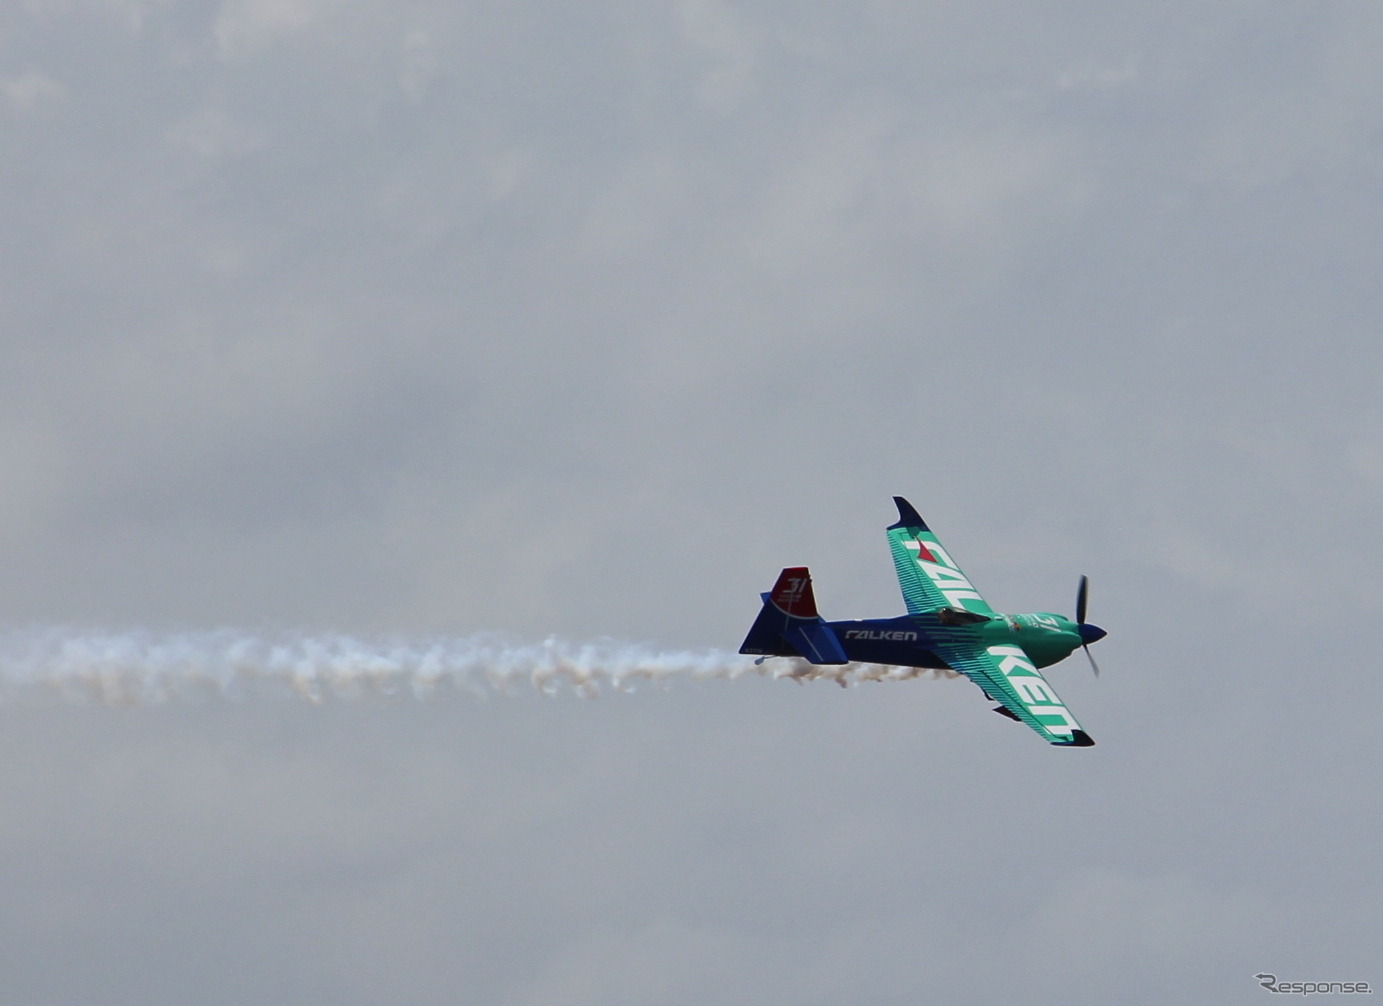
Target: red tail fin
[{"x": 792, "y": 593}]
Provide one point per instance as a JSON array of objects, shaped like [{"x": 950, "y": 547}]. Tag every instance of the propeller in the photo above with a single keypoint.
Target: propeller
[{"x": 1088, "y": 633}]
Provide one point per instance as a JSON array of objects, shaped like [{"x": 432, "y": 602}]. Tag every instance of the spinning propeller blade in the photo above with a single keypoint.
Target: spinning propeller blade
[
  {"x": 1091, "y": 657},
  {"x": 1088, "y": 633}
]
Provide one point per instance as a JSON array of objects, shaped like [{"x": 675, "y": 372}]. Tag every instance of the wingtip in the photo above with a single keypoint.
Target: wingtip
[
  {"x": 1081, "y": 739},
  {"x": 908, "y": 515}
]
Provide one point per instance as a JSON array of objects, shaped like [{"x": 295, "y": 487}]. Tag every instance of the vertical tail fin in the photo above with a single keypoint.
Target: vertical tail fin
[
  {"x": 788, "y": 624},
  {"x": 792, "y": 594}
]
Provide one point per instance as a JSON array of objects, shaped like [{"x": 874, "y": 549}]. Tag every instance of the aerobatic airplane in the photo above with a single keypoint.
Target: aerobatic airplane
[{"x": 948, "y": 624}]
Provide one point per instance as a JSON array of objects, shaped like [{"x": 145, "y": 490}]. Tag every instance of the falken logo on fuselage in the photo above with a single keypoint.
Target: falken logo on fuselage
[
  {"x": 1033, "y": 690},
  {"x": 943, "y": 572},
  {"x": 894, "y": 635}
]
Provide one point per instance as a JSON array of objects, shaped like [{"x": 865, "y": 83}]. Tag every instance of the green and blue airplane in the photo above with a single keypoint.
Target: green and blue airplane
[{"x": 948, "y": 625}]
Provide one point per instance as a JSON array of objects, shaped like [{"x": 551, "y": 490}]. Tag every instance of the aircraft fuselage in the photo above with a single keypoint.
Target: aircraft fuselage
[{"x": 1045, "y": 637}]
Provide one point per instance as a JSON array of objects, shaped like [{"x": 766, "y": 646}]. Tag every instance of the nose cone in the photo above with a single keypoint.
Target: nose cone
[{"x": 1090, "y": 633}]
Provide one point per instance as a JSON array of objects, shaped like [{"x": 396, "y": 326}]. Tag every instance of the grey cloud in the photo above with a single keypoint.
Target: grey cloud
[{"x": 431, "y": 317}]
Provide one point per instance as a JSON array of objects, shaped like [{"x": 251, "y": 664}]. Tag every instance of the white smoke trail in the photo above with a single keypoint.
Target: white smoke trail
[{"x": 136, "y": 668}]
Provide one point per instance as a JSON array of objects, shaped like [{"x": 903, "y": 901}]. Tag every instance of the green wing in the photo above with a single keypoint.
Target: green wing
[
  {"x": 1008, "y": 677},
  {"x": 929, "y": 578}
]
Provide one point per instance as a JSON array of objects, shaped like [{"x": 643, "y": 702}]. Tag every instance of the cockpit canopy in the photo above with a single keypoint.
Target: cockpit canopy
[{"x": 959, "y": 616}]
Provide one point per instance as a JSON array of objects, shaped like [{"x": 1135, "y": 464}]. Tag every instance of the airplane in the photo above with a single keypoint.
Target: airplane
[{"x": 948, "y": 625}]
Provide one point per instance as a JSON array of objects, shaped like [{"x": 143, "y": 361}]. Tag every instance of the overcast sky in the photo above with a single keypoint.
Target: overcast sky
[{"x": 421, "y": 318}]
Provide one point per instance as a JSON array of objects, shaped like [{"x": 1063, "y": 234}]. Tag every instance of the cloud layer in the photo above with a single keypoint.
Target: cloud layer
[{"x": 423, "y": 319}]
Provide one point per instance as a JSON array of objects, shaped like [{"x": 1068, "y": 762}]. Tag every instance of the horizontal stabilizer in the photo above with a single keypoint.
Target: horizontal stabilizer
[{"x": 817, "y": 642}]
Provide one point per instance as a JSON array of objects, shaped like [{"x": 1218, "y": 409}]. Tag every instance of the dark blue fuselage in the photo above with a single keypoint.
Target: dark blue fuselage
[
  {"x": 911, "y": 640},
  {"x": 902, "y": 641}
]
